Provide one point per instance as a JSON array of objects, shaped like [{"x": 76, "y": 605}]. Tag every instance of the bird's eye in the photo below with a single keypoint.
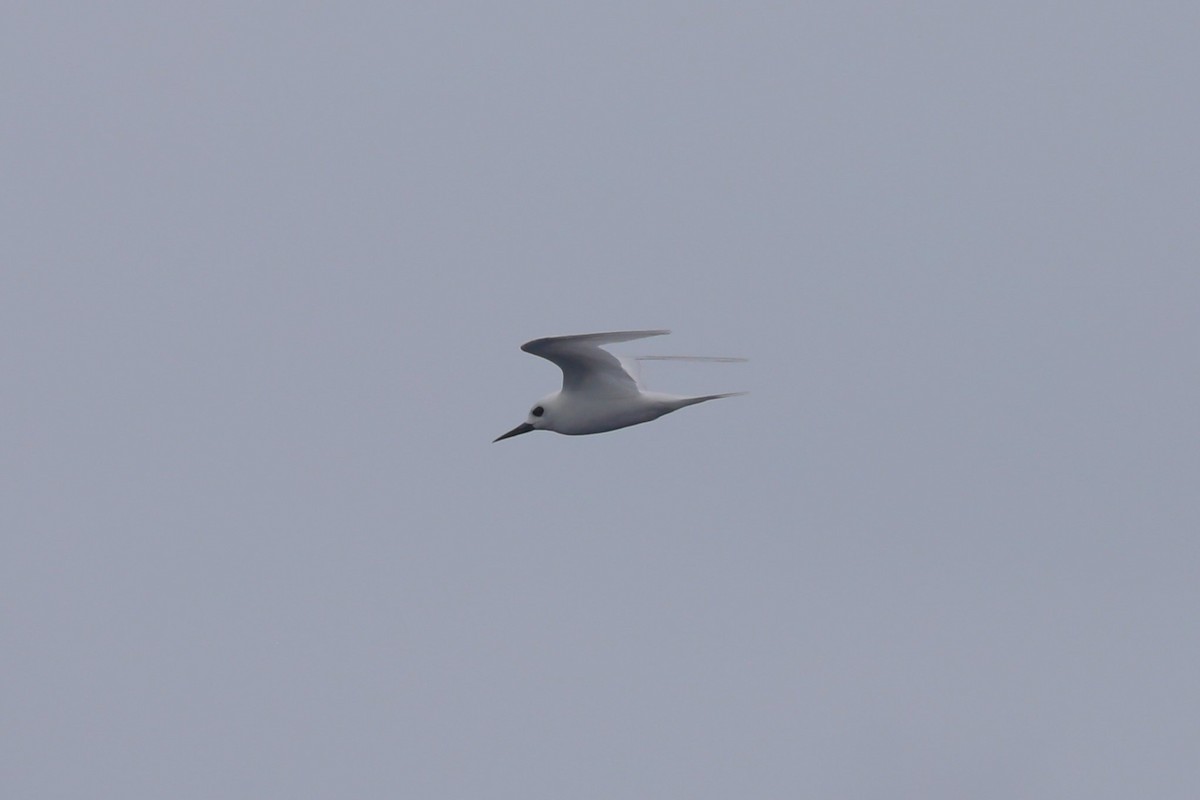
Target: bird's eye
[{"x": 538, "y": 411}]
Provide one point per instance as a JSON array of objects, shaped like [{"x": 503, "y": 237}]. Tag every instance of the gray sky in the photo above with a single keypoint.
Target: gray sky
[{"x": 263, "y": 277}]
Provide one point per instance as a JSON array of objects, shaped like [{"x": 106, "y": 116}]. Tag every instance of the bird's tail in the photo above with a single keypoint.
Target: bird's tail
[
  {"x": 691, "y": 401},
  {"x": 681, "y": 402}
]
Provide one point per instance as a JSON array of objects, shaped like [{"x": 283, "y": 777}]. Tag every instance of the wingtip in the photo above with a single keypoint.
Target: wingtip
[
  {"x": 704, "y": 359},
  {"x": 605, "y": 337}
]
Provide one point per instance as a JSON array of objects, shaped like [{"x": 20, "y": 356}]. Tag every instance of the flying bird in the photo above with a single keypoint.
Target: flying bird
[{"x": 600, "y": 391}]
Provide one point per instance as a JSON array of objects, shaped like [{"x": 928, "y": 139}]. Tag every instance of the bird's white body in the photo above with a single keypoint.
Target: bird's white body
[
  {"x": 601, "y": 392},
  {"x": 577, "y": 413}
]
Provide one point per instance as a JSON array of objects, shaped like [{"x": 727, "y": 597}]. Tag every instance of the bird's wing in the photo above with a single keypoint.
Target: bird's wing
[
  {"x": 630, "y": 365},
  {"x": 633, "y": 366},
  {"x": 587, "y": 368}
]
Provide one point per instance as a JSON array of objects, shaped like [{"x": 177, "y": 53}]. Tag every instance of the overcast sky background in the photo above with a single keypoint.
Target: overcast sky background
[{"x": 264, "y": 274}]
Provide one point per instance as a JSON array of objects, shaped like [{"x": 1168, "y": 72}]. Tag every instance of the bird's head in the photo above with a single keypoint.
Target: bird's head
[{"x": 541, "y": 417}]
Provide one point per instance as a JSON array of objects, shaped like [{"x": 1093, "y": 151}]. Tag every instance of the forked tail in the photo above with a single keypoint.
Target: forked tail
[{"x": 691, "y": 401}]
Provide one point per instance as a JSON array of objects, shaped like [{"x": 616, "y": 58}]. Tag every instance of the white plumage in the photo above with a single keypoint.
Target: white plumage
[{"x": 600, "y": 391}]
